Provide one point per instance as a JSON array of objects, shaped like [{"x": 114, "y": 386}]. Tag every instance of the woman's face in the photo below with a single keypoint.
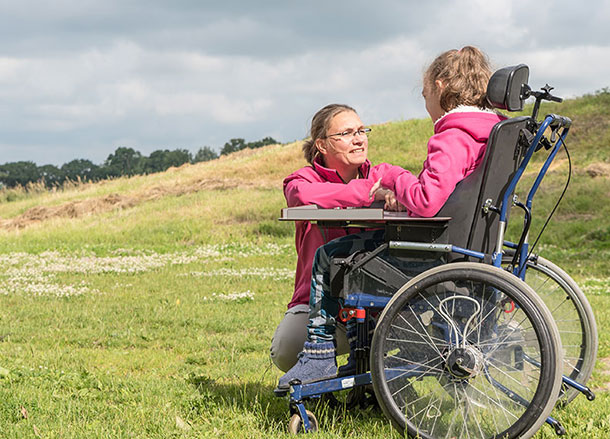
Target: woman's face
[{"x": 344, "y": 151}]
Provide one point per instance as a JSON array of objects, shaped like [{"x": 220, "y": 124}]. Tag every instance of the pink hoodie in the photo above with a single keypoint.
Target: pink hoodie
[
  {"x": 454, "y": 151},
  {"x": 324, "y": 187}
]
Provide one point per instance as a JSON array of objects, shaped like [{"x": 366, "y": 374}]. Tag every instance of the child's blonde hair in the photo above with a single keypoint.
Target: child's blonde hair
[{"x": 464, "y": 74}]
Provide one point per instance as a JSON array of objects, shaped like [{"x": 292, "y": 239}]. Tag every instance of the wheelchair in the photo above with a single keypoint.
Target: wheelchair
[{"x": 487, "y": 343}]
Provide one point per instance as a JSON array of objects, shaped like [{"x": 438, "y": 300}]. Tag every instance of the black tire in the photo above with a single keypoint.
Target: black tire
[
  {"x": 501, "y": 380},
  {"x": 574, "y": 317}
]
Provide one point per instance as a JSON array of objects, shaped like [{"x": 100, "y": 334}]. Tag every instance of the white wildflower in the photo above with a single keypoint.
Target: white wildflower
[
  {"x": 264, "y": 273},
  {"x": 231, "y": 297},
  {"x": 596, "y": 286},
  {"x": 35, "y": 274}
]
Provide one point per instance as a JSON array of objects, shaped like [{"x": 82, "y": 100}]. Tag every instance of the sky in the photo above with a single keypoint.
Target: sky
[{"x": 80, "y": 78}]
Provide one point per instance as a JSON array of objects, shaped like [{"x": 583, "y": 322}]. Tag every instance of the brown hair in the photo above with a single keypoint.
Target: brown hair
[
  {"x": 319, "y": 125},
  {"x": 464, "y": 74}
]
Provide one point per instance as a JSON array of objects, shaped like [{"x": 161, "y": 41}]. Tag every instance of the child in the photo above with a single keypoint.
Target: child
[{"x": 454, "y": 90}]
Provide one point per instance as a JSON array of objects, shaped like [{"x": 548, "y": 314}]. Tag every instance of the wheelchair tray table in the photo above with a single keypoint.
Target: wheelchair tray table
[{"x": 395, "y": 223}]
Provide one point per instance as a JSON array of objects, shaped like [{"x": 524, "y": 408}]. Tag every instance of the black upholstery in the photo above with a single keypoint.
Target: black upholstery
[{"x": 505, "y": 88}]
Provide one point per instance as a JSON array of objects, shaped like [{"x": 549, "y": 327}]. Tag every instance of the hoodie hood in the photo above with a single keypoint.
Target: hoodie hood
[{"x": 475, "y": 121}]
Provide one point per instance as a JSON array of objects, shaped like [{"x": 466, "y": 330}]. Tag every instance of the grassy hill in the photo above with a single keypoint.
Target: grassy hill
[
  {"x": 104, "y": 212},
  {"x": 144, "y": 306}
]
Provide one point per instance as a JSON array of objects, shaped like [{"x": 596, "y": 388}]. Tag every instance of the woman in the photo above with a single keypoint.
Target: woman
[{"x": 339, "y": 175}]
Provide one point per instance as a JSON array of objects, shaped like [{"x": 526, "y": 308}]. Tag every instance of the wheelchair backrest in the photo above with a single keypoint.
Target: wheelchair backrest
[{"x": 472, "y": 226}]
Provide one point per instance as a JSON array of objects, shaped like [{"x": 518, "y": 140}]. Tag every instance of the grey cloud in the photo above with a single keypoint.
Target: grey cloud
[
  {"x": 266, "y": 29},
  {"x": 78, "y": 79}
]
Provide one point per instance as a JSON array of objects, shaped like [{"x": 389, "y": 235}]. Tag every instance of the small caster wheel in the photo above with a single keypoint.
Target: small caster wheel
[
  {"x": 295, "y": 426},
  {"x": 353, "y": 399}
]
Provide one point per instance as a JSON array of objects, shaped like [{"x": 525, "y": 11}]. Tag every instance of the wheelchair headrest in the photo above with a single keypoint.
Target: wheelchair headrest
[{"x": 504, "y": 90}]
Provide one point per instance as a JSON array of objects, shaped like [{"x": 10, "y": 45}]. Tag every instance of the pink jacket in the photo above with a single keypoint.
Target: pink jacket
[
  {"x": 323, "y": 186},
  {"x": 454, "y": 151}
]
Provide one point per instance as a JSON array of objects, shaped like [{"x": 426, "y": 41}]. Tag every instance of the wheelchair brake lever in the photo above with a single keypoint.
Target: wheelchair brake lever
[{"x": 548, "y": 144}]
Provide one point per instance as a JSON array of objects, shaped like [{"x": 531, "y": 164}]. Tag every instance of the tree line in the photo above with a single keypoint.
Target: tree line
[{"x": 123, "y": 162}]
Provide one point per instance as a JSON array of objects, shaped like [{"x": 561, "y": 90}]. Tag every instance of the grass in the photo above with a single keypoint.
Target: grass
[{"x": 153, "y": 318}]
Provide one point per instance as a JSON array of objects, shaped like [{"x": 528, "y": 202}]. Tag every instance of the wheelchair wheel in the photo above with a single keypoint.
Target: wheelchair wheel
[
  {"x": 574, "y": 317},
  {"x": 466, "y": 350}
]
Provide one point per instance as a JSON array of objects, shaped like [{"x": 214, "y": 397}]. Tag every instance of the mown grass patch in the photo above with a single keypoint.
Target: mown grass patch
[{"x": 177, "y": 349}]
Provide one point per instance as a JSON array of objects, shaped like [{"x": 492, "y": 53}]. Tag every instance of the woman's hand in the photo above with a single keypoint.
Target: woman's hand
[
  {"x": 382, "y": 194},
  {"x": 391, "y": 203}
]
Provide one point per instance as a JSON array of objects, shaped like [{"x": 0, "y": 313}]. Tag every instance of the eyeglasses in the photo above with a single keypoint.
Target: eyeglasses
[{"x": 348, "y": 134}]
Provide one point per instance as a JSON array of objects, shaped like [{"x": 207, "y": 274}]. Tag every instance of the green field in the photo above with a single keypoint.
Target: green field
[{"x": 144, "y": 307}]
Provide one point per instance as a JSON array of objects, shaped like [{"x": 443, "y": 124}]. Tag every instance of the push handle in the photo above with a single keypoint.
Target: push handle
[{"x": 543, "y": 95}]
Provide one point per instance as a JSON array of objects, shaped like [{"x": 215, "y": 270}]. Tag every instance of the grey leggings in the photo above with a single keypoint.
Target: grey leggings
[{"x": 291, "y": 334}]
